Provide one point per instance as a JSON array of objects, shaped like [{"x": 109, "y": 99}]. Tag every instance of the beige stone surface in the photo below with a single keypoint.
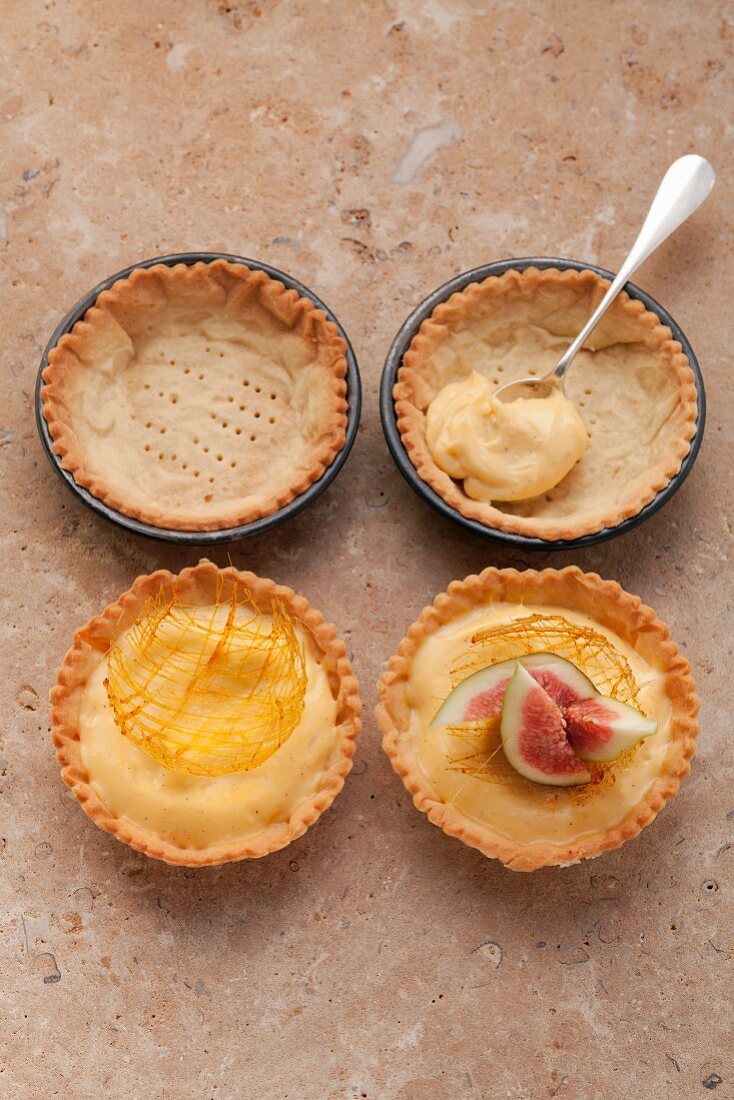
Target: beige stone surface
[{"x": 372, "y": 150}]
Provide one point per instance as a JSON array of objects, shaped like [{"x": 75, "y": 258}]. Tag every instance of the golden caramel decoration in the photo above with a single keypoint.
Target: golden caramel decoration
[
  {"x": 585, "y": 647},
  {"x": 208, "y": 690}
]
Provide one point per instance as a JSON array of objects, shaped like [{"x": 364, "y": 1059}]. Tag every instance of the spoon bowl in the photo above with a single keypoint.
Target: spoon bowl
[{"x": 529, "y": 388}]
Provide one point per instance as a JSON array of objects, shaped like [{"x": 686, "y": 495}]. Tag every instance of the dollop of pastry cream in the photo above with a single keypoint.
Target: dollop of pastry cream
[{"x": 503, "y": 451}]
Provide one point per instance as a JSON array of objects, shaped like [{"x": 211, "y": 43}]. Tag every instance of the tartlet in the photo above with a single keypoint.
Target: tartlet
[
  {"x": 459, "y": 776},
  {"x": 178, "y": 810},
  {"x": 632, "y": 384},
  {"x": 197, "y": 397}
]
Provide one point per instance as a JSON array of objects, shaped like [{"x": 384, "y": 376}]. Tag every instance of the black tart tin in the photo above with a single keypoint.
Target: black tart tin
[
  {"x": 225, "y": 534},
  {"x": 402, "y": 342}
]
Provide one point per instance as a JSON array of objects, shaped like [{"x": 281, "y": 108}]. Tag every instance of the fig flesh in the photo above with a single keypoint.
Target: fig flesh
[
  {"x": 600, "y": 729},
  {"x": 534, "y": 734}
]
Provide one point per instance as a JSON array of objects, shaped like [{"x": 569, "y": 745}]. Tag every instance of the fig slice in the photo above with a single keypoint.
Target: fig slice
[
  {"x": 481, "y": 694},
  {"x": 547, "y": 736},
  {"x": 533, "y": 732},
  {"x": 601, "y": 728}
]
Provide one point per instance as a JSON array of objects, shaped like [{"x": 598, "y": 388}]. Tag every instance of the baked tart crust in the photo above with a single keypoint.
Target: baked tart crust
[
  {"x": 197, "y": 397},
  {"x": 632, "y": 384},
  {"x": 605, "y": 603},
  {"x": 200, "y": 585}
]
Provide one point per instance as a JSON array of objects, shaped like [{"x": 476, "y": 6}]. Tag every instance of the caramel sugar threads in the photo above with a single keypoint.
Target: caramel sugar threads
[{"x": 262, "y": 705}]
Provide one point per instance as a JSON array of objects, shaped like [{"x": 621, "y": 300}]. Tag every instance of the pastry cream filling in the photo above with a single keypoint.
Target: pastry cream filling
[
  {"x": 503, "y": 451},
  {"x": 194, "y": 811},
  {"x": 527, "y": 814}
]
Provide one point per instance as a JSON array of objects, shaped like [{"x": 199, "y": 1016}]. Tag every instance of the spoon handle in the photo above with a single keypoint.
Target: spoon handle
[{"x": 684, "y": 187}]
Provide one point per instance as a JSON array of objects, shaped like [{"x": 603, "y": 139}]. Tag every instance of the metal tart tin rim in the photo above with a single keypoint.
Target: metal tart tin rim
[
  {"x": 402, "y": 342},
  {"x": 224, "y": 534}
]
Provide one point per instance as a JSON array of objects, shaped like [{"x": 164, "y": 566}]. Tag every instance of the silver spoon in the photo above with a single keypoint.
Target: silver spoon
[{"x": 685, "y": 185}]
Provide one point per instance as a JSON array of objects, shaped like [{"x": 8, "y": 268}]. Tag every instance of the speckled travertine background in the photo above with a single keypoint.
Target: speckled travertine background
[{"x": 372, "y": 150}]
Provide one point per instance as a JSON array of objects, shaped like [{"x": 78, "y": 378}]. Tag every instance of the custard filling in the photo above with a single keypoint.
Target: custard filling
[
  {"x": 503, "y": 451},
  {"x": 516, "y": 810},
  {"x": 199, "y": 811}
]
